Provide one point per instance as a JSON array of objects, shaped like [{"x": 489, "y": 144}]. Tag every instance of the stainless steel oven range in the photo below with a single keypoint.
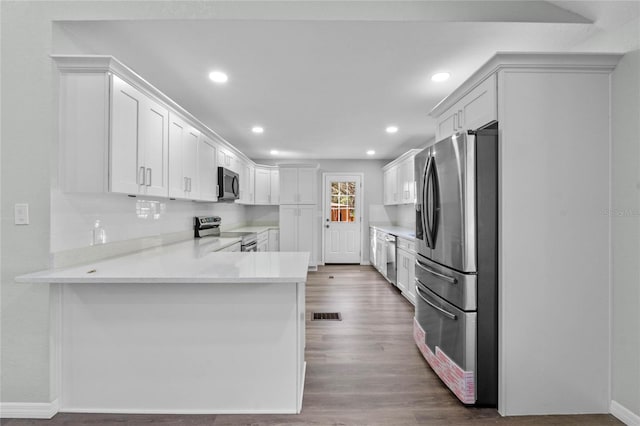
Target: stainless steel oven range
[{"x": 209, "y": 226}]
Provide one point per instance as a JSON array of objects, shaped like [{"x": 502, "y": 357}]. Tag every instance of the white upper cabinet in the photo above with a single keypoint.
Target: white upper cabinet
[
  {"x": 120, "y": 134},
  {"x": 247, "y": 185},
  {"x": 475, "y": 109},
  {"x": 139, "y": 143},
  {"x": 184, "y": 140},
  {"x": 406, "y": 181},
  {"x": 207, "y": 169},
  {"x": 298, "y": 185},
  {"x": 229, "y": 160},
  {"x": 399, "y": 186},
  {"x": 274, "y": 175},
  {"x": 263, "y": 185},
  {"x": 267, "y": 185},
  {"x": 391, "y": 186}
]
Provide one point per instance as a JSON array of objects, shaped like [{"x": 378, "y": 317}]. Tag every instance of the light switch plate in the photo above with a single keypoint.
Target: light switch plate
[{"x": 21, "y": 214}]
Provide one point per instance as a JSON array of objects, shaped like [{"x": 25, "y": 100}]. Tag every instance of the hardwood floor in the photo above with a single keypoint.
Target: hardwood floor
[{"x": 363, "y": 370}]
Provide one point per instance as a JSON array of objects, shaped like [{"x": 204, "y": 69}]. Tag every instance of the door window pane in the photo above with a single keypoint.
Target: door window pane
[{"x": 343, "y": 195}]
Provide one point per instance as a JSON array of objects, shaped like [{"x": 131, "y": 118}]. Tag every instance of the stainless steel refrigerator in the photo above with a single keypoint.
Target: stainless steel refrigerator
[{"x": 456, "y": 320}]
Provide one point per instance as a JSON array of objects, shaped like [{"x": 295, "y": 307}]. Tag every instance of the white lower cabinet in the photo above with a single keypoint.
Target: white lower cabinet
[
  {"x": 381, "y": 253},
  {"x": 296, "y": 229},
  {"x": 263, "y": 241},
  {"x": 372, "y": 246},
  {"x": 405, "y": 263},
  {"x": 274, "y": 240}
]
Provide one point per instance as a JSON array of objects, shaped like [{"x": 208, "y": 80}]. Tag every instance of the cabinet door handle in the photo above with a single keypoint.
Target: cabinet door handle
[
  {"x": 189, "y": 184},
  {"x": 149, "y": 176},
  {"x": 186, "y": 184},
  {"x": 141, "y": 176},
  {"x": 460, "y": 123},
  {"x": 455, "y": 119}
]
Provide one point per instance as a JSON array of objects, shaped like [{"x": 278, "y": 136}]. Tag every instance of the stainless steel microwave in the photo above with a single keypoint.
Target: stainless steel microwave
[{"x": 228, "y": 185}]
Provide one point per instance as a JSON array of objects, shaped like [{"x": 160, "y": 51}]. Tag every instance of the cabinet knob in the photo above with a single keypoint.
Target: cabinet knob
[{"x": 326, "y": 226}]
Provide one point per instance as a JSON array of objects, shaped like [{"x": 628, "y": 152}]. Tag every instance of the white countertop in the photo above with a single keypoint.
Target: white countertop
[
  {"x": 398, "y": 231},
  {"x": 193, "y": 261},
  {"x": 255, "y": 228}
]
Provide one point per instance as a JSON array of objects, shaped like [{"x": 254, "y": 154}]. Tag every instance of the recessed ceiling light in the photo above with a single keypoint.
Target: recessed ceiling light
[
  {"x": 392, "y": 129},
  {"x": 441, "y": 76},
  {"x": 257, "y": 129},
  {"x": 274, "y": 152},
  {"x": 218, "y": 77},
  {"x": 371, "y": 152}
]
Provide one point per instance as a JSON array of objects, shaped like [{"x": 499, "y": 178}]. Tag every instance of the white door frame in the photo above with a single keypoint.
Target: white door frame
[{"x": 324, "y": 207}]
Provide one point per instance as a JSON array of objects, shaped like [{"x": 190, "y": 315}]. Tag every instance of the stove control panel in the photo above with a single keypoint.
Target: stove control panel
[{"x": 205, "y": 222}]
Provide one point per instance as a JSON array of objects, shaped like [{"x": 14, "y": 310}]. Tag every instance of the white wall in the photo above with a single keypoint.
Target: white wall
[{"x": 625, "y": 229}]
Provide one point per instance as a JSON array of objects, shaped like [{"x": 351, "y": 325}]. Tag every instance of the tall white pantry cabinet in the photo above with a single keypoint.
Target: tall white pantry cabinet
[
  {"x": 553, "y": 114},
  {"x": 298, "y": 209}
]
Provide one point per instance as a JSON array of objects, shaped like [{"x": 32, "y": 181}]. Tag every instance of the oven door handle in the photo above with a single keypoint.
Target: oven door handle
[
  {"x": 250, "y": 246},
  {"x": 437, "y": 308},
  {"x": 447, "y": 278}
]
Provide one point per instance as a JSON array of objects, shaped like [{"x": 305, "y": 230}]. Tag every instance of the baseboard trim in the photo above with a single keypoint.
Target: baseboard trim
[
  {"x": 172, "y": 411},
  {"x": 623, "y": 414},
  {"x": 28, "y": 410}
]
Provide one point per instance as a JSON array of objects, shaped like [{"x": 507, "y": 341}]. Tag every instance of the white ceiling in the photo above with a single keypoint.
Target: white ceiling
[{"x": 327, "y": 88}]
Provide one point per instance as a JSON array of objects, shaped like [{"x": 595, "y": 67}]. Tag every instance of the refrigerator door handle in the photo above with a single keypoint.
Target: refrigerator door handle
[
  {"x": 425, "y": 200},
  {"x": 447, "y": 278},
  {"x": 437, "y": 308},
  {"x": 435, "y": 203}
]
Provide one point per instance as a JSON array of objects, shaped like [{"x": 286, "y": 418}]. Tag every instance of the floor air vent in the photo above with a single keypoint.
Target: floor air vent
[{"x": 327, "y": 316}]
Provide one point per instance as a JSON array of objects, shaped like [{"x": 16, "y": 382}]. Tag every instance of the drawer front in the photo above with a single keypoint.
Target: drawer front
[
  {"x": 406, "y": 244},
  {"x": 447, "y": 327},
  {"x": 459, "y": 289}
]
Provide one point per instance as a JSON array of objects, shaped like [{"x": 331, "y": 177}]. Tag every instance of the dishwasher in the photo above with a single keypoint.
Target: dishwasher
[{"x": 391, "y": 271}]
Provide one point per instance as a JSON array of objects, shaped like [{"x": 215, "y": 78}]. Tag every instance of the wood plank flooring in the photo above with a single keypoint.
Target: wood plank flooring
[{"x": 363, "y": 370}]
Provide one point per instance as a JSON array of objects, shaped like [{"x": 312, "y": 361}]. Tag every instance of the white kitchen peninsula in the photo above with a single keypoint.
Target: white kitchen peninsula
[{"x": 181, "y": 329}]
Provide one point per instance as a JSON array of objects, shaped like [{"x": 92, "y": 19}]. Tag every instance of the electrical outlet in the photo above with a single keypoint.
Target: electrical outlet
[{"x": 21, "y": 214}]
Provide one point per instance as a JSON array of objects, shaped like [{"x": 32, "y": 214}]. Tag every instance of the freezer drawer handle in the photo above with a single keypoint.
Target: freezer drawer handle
[
  {"x": 437, "y": 308},
  {"x": 452, "y": 280}
]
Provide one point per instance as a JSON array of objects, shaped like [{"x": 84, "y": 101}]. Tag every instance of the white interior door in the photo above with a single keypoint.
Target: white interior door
[{"x": 342, "y": 218}]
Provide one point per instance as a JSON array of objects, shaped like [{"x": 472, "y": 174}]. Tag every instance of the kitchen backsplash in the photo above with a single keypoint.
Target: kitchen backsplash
[
  {"x": 262, "y": 215},
  {"x": 122, "y": 218},
  {"x": 406, "y": 216}
]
